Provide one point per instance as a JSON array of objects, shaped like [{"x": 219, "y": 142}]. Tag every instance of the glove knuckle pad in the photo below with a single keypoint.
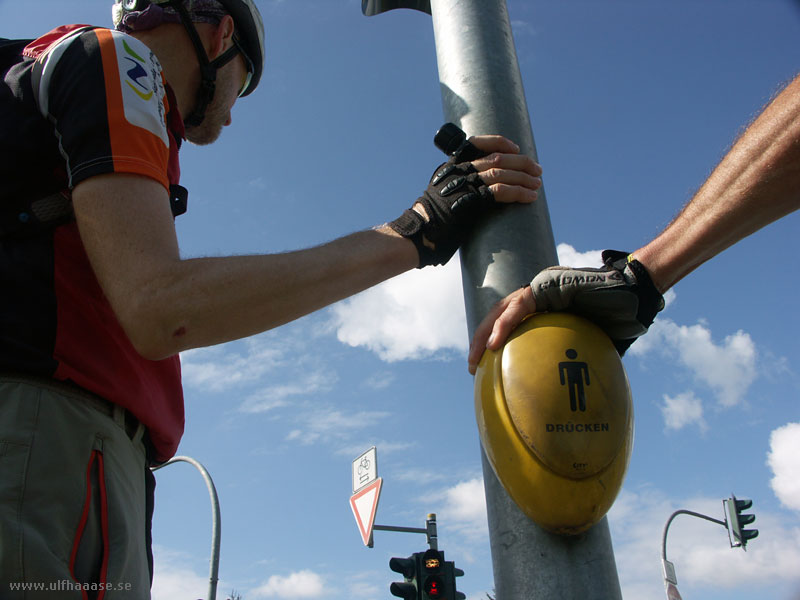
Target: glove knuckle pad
[{"x": 455, "y": 199}]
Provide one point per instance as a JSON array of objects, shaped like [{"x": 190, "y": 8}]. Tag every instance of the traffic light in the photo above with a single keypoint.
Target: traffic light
[
  {"x": 408, "y": 567},
  {"x": 432, "y": 571},
  {"x": 438, "y": 577},
  {"x": 450, "y": 574},
  {"x": 736, "y": 521}
]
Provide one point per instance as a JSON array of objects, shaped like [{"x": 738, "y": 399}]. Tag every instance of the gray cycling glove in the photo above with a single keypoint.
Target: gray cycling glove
[{"x": 619, "y": 297}]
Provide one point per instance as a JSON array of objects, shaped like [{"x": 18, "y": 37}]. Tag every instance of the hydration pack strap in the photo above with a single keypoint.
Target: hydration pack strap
[{"x": 56, "y": 209}]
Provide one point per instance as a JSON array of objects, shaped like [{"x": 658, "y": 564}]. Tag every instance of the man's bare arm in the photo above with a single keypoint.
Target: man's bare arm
[
  {"x": 756, "y": 183},
  {"x": 167, "y": 304}
]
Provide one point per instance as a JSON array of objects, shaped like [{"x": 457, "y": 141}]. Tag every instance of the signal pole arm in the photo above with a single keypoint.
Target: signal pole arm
[
  {"x": 756, "y": 183},
  {"x": 167, "y": 304}
]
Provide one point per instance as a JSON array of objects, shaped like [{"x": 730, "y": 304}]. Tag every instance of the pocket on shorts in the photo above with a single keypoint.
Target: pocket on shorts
[
  {"x": 13, "y": 467},
  {"x": 88, "y": 562}
]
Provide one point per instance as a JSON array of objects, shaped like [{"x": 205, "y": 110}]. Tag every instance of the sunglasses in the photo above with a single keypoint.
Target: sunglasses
[{"x": 248, "y": 64}]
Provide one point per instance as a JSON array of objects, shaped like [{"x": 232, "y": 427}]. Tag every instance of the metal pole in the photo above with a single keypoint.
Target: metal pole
[
  {"x": 433, "y": 536},
  {"x": 482, "y": 92},
  {"x": 670, "y": 578},
  {"x": 684, "y": 512},
  {"x": 213, "y": 572}
]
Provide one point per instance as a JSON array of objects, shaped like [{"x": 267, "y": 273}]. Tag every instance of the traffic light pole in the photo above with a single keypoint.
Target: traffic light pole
[
  {"x": 482, "y": 92},
  {"x": 734, "y": 523}
]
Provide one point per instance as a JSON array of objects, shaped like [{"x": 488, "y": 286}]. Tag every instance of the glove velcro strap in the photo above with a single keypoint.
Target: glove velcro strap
[
  {"x": 410, "y": 225},
  {"x": 650, "y": 299}
]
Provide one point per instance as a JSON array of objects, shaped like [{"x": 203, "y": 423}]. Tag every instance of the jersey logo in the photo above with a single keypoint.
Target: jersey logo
[
  {"x": 136, "y": 73},
  {"x": 142, "y": 85}
]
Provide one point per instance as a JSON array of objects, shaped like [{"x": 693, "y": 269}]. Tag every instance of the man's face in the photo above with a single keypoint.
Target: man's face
[{"x": 230, "y": 79}]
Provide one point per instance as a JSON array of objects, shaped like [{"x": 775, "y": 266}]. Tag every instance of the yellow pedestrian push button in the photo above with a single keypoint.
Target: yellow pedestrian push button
[{"x": 555, "y": 416}]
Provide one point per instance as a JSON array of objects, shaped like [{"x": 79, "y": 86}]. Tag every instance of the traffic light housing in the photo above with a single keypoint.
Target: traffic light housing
[
  {"x": 450, "y": 574},
  {"x": 738, "y": 535},
  {"x": 409, "y": 569},
  {"x": 432, "y": 569},
  {"x": 427, "y": 576}
]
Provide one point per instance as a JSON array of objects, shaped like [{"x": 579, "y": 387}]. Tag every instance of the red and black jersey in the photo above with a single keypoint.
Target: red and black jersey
[{"x": 75, "y": 103}]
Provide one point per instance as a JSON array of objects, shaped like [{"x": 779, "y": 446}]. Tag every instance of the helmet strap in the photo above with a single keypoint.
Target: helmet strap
[{"x": 208, "y": 69}]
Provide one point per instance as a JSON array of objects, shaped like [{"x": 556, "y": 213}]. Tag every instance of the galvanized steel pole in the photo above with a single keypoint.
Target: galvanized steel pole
[{"x": 482, "y": 92}]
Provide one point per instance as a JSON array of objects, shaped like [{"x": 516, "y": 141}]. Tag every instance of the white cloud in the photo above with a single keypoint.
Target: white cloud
[
  {"x": 700, "y": 551},
  {"x": 669, "y": 297},
  {"x": 221, "y": 367},
  {"x": 683, "y": 409},
  {"x": 784, "y": 460},
  {"x": 365, "y": 588},
  {"x": 300, "y": 584},
  {"x": 464, "y": 509},
  {"x": 303, "y": 383},
  {"x": 420, "y": 312},
  {"x": 728, "y": 368},
  {"x": 330, "y": 424},
  {"x": 276, "y": 366},
  {"x": 174, "y": 576},
  {"x": 386, "y": 447},
  {"x": 568, "y": 256},
  {"x": 466, "y": 501},
  {"x": 379, "y": 381},
  {"x": 410, "y": 316}
]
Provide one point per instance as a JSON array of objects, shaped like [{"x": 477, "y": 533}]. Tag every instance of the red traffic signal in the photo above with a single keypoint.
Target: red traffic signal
[{"x": 434, "y": 587}]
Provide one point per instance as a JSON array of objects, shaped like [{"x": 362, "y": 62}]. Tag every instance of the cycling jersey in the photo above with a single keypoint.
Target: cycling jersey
[{"x": 76, "y": 103}]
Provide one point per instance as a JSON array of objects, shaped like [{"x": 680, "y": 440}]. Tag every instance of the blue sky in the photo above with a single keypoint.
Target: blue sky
[{"x": 632, "y": 104}]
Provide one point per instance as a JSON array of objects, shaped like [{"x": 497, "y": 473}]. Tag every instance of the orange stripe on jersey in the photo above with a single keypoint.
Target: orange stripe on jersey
[{"x": 134, "y": 148}]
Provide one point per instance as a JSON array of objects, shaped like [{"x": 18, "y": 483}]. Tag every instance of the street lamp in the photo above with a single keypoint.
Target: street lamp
[{"x": 213, "y": 575}]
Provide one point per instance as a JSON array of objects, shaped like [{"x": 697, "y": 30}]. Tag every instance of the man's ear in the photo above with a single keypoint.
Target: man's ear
[{"x": 222, "y": 38}]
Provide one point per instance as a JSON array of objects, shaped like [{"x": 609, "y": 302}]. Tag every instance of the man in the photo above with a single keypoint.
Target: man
[
  {"x": 97, "y": 301},
  {"x": 756, "y": 183}
]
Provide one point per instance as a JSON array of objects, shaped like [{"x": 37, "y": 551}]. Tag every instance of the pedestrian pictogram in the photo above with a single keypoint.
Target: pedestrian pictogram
[{"x": 572, "y": 374}]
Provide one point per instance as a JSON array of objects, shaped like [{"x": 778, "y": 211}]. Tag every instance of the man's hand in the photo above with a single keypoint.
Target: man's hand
[
  {"x": 498, "y": 324},
  {"x": 619, "y": 297},
  {"x": 460, "y": 193}
]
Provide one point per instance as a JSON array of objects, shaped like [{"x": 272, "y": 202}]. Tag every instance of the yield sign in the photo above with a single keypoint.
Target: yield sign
[
  {"x": 365, "y": 504},
  {"x": 672, "y": 592}
]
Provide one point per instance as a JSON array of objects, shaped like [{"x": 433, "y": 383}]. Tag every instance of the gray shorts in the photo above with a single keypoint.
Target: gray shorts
[{"x": 74, "y": 500}]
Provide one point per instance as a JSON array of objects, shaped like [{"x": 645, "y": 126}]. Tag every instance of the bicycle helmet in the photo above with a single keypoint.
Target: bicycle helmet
[{"x": 133, "y": 15}]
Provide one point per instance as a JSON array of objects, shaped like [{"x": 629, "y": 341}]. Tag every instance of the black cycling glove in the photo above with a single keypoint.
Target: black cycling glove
[
  {"x": 619, "y": 297},
  {"x": 454, "y": 201}
]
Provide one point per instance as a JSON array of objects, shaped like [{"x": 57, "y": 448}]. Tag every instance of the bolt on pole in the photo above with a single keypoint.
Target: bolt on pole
[{"x": 482, "y": 92}]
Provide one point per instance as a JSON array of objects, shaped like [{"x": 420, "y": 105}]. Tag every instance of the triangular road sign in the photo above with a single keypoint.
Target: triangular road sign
[
  {"x": 673, "y": 593},
  {"x": 365, "y": 504}
]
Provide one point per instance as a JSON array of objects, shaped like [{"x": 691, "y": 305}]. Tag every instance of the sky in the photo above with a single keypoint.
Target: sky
[{"x": 632, "y": 103}]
